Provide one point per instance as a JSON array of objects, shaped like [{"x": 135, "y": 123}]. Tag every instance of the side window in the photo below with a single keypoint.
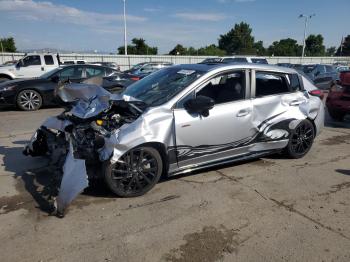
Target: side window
[
  {"x": 270, "y": 84},
  {"x": 294, "y": 82},
  {"x": 94, "y": 71},
  {"x": 71, "y": 73},
  {"x": 31, "y": 60},
  {"x": 48, "y": 60},
  {"x": 320, "y": 69},
  {"x": 330, "y": 69},
  {"x": 180, "y": 103},
  {"x": 225, "y": 88}
]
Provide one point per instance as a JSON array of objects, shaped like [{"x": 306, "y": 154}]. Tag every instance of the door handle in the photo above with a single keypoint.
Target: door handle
[
  {"x": 295, "y": 102},
  {"x": 243, "y": 112},
  {"x": 42, "y": 68}
]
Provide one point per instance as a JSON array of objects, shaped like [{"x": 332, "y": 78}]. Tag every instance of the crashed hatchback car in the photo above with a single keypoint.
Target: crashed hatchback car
[{"x": 177, "y": 120}]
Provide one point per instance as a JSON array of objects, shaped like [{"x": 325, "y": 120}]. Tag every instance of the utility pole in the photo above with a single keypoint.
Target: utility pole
[
  {"x": 307, "y": 17},
  {"x": 2, "y": 52},
  {"x": 125, "y": 42}
]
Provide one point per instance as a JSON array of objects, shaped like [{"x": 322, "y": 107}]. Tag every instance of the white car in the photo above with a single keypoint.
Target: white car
[
  {"x": 237, "y": 59},
  {"x": 32, "y": 65}
]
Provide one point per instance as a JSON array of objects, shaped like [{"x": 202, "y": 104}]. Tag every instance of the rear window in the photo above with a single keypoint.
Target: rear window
[
  {"x": 294, "y": 82},
  {"x": 80, "y": 62},
  {"x": 259, "y": 61},
  {"x": 48, "y": 60},
  {"x": 270, "y": 84}
]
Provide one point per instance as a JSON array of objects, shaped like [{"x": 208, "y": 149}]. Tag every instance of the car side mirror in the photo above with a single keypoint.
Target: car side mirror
[
  {"x": 317, "y": 73},
  {"x": 55, "y": 79},
  {"x": 200, "y": 105}
]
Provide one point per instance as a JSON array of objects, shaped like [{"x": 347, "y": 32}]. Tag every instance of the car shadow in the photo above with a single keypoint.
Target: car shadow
[
  {"x": 34, "y": 175},
  {"x": 343, "y": 172}
]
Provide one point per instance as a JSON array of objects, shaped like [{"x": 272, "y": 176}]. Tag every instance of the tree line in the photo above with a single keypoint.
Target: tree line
[
  {"x": 237, "y": 41},
  {"x": 240, "y": 41}
]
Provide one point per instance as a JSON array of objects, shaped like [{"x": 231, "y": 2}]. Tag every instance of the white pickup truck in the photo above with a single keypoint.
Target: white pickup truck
[{"x": 32, "y": 65}]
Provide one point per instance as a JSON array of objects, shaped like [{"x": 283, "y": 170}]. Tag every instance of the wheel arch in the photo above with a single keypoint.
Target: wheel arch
[{"x": 6, "y": 76}]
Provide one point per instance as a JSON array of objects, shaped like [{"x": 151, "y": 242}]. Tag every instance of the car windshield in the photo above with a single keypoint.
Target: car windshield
[
  {"x": 159, "y": 87},
  {"x": 50, "y": 73}
]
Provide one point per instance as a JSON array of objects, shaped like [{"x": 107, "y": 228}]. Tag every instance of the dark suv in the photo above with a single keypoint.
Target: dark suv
[{"x": 323, "y": 76}]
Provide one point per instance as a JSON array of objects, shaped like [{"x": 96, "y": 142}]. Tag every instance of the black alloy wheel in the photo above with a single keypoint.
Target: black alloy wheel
[
  {"x": 29, "y": 100},
  {"x": 135, "y": 173},
  {"x": 301, "y": 139}
]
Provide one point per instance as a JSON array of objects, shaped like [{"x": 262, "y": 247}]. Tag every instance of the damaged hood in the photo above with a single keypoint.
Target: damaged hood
[{"x": 88, "y": 100}]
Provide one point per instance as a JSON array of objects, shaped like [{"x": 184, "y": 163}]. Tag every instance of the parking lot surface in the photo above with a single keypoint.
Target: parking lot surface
[{"x": 270, "y": 209}]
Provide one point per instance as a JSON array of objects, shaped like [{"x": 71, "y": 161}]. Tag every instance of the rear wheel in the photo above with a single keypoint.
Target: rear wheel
[
  {"x": 336, "y": 115},
  {"x": 29, "y": 100},
  {"x": 135, "y": 173},
  {"x": 301, "y": 140}
]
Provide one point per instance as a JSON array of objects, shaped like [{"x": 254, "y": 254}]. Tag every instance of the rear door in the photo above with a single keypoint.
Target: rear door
[
  {"x": 49, "y": 63},
  {"x": 276, "y": 100},
  {"x": 224, "y": 132}
]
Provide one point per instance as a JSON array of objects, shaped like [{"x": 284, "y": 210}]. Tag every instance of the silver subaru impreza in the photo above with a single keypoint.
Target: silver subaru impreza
[{"x": 179, "y": 119}]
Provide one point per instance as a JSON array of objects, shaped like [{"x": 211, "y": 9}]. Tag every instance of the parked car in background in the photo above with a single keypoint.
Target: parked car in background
[
  {"x": 289, "y": 65},
  {"x": 74, "y": 62},
  {"x": 236, "y": 59},
  {"x": 108, "y": 64},
  {"x": 144, "y": 69},
  {"x": 118, "y": 81},
  {"x": 32, "y": 65},
  {"x": 342, "y": 68},
  {"x": 323, "y": 76},
  {"x": 32, "y": 94},
  {"x": 338, "y": 99}
]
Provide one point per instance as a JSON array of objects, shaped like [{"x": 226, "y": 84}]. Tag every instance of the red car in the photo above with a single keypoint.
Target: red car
[{"x": 338, "y": 100}]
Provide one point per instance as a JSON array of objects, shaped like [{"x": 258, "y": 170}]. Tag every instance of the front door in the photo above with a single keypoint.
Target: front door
[
  {"x": 227, "y": 129},
  {"x": 31, "y": 66}
]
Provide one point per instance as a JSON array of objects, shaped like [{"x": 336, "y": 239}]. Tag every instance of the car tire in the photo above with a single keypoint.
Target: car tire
[
  {"x": 336, "y": 115},
  {"x": 29, "y": 100},
  {"x": 135, "y": 173},
  {"x": 301, "y": 140}
]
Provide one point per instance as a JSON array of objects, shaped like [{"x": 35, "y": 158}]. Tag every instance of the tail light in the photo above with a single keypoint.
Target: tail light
[
  {"x": 317, "y": 92},
  {"x": 135, "y": 78}
]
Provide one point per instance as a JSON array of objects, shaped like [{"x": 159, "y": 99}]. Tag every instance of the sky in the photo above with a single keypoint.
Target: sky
[{"x": 84, "y": 25}]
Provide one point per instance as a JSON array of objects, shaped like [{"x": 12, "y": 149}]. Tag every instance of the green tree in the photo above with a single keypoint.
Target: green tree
[
  {"x": 259, "y": 48},
  {"x": 8, "y": 44},
  {"x": 238, "y": 40},
  {"x": 285, "y": 47},
  {"x": 331, "y": 51},
  {"x": 138, "y": 47},
  {"x": 211, "y": 50},
  {"x": 314, "y": 46},
  {"x": 178, "y": 50},
  {"x": 344, "y": 50}
]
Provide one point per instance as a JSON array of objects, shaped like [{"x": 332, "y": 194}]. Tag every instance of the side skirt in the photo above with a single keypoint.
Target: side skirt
[{"x": 189, "y": 169}]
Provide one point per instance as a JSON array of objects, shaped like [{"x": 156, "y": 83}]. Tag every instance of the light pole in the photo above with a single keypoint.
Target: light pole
[
  {"x": 125, "y": 45},
  {"x": 307, "y": 17}
]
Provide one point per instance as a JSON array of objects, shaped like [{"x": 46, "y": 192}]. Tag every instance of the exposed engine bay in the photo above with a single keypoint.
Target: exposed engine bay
[{"x": 82, "y": 136}]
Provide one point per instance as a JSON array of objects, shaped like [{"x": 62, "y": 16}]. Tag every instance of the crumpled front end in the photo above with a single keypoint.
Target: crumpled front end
[{"x": 83, "y": 136}]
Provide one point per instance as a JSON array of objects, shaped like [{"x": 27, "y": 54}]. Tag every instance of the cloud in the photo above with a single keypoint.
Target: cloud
[
  {"x": 152, "y": 10},
  {"x": 210, "y": 17},
  {"x": 47, "y": 11}
]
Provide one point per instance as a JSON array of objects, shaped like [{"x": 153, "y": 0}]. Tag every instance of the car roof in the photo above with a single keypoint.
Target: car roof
[
  {"x": 206, "y": 67},
  {"x": 84, "y": 65}
]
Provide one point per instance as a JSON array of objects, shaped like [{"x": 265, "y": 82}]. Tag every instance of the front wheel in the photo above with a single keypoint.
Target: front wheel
[
  {"x": 301, "y": 140},
  {"x": 135, "y": 173},
  {"x": 29, "y": 100}
]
